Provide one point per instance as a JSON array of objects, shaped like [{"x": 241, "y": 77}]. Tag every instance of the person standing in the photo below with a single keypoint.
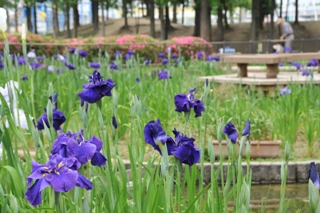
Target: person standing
[{"x": 287, "y": 32}]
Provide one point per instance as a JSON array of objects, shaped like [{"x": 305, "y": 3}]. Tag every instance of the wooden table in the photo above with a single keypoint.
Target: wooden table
[{"x": 271, "y": 61}]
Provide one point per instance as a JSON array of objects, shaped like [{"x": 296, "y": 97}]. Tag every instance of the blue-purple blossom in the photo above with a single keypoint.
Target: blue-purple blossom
[
  {"x": 213, "y": 58},
  {"x": 40, "y": 59},
  {"x": 175, "y": 55},
  {"x": 32, "y": 54},
  {"x": 231, "y": 131},
  {"x": 246, "y": 130},
  {"x": 306, "y": 72},
  {"x": 60, "y": 58},
  {"x": 1, "y": 65},
  {"x": 56, "y": 173},
  {"x": 314, "y": 175},
  {"x": 34, "y": 65},
  {"x": 155, "y": 135},
  {"x": 83, "y": 53},
  {"x": 58, "y": 118},
  {"x": 130, "y": 52},
  {"x": 95, "y": 65},
  {"x": 117, "y": 54},
  {"x": 138, "y": 80},
  {"x": 280, "y": 64},
  {"x": 163, "y": 74},
  {"x": 72, "y": 50},
  {"x": 313, "y": 63},
  {"x": 184, "y": 149},
  {"x": 146, "y": 62},
  {"x": 199, "y": 55},
  {"x": 24, "y": 77},
  {"x": 114, "y": 122},
  {"x": 113, "y": 66},
  {"x": 21, "y": 60},
  {"x": 50, "y": 68},
  {"x": 74, "y": 145},
  {"x": 161, "y": 55},
  {"x": 285, "y": 91},
  {"x": 96, "y": 89},
  {"x": 297, "y": 65},
  {"x": 184, "y": 103},
  {"x": 70, "y": 66},
  {"x": 164, "y": 61},
  {"x": 127, "y": 57}
]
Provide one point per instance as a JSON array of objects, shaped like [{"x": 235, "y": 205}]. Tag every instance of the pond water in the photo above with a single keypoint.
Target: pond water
[{"x": 296, "y": 193}]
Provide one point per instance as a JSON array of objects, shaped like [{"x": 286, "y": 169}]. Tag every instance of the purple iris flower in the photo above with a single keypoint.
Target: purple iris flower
[
  {"x": 175, "y": 56},
  {"x": 40, "y": 59},
  {"x": 314, "y": 175},
  {"x": 24, "y": 77},
  {"x": 155, "y": 135},
  {"x": 185, "y": 150},
  {"x": 146, "y": 62},
  {"x": 32, "y": 54},
  {"x": 96, "y": 89},
  {"x": 60, "y": 58},
  {"x": 138, "y": 80},
  {"x": 184, "y": 103},
  {"x": 246, "y": 130},
  {"x": 55, "y": 173},
  {"x": 21, "y": 60},
  {"x": 306, "y": 72},
  {"x": 83, "y": 53},
  {"x": 213, "y": 58},
  {"x": 285, "y": 91},
  {"x": 162, "y": 55},
  {"x": 113, "y": 66},
  {"x": 200, "y": 55},
  {"x": 280, "y": 64},
  {"x": 127, "y": 57},
  {"x": 73, "y": 145},
  {"x": 34, "y": 65},
  {"x": 312, "y": 63},
  {"x": 163, "y": 74},
  {"x": 72, "y": 50},
  {"x": 95, "y": 65},
  {"x": 58, "y": 118},
  {"x": 117, "y": 54},
  {"x": 114, "y": 122},
  {"x": 164, "y": 61},
  {"x": 50, "y": 68},
  {"x": 70, "y": 66},
  {"x": 130, "y": 52},
  {"x": 231, "y": 131},
  {"x": 1, "y": 65},
  {"x": 297, "y": 65},
  {"x": 287, "y": 49}
]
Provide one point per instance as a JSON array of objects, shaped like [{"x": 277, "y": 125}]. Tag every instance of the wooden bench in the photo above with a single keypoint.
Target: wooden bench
[{"x": 271, "y": 61}]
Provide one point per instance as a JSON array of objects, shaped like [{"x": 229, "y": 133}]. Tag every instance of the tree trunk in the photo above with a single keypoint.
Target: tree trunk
[
  {"x": 220, "y": 24},
  {"x": 54, "y": 19},
  {"x": 152, "y": 26},
  {"x": 204, "y": 31},
  {"x": 107, "y": 8},
  {"x": 174, "y": 20},
  {"x": 103, "y": 20},
  {"x": 296, "y": 21},
  {"x": 95, "y": 14},
  {"x": 125, "y": 13},
  {"x": 273, "y": 7},
  {"x": 68, "y": 20},
  {"x": 163, "y": 23},
  {"x": 29, "y": 24},
  {"x": 209, "y": 23},
  {"x": 168, "y": 24},
  {"x": 35, "y": 17},
  {"x": 255, "y": 20},
  {"x": 8, "y": 20},
  {"x": 280, "y": 9},
  {"x": 75, "y": 20},
  {"x": 226, "y": 24},
  {"x": 56, "y": 14},
  {"x": 197, "y": 19},
  {"x": 16, "y": 18},
  {"x": 182, "y": 14},
  {"x": 148, "y": 5}
]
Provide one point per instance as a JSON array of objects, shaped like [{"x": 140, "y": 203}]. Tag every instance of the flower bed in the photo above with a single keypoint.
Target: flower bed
[{"x": 143, "y": 45}]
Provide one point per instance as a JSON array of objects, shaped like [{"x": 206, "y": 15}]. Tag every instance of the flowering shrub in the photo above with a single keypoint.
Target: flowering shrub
[
  {"x": 142, "y": 45},
  {"x": 189, "y": 46}
]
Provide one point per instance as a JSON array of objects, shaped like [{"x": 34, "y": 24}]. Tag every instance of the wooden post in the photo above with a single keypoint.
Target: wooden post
[
  {"x": 243, "y": 70},
  {"x": 272, "y": 70},
  {"x": 318, "y": 65}
]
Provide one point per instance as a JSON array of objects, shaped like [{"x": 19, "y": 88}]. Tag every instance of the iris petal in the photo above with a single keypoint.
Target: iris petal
[
  {"x": 98, "y": 159},
  {"x": 83, "y": 182},
  {"x": 33, "y": 194},
  {"x": 63, "y": 181}
]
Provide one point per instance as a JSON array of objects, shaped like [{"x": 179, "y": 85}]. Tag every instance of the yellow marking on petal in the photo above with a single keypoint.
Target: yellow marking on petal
[
  {"x": 60, "y": 164},
  {"x": 44, "y": 174}
]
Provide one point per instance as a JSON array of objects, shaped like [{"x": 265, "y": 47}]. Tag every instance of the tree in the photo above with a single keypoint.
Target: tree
[
  {"x": 297, "y": 13},
  {"x": 95, "y": 14},
  {"x": 197, "y": 19},
  {"x": 220, "y": 23},
  {"x": 125, "y": 13},
  {"x": 204, "y": 25},
  {"x": 152, "y": 25},
  {"x": 255, "y": 19}
]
